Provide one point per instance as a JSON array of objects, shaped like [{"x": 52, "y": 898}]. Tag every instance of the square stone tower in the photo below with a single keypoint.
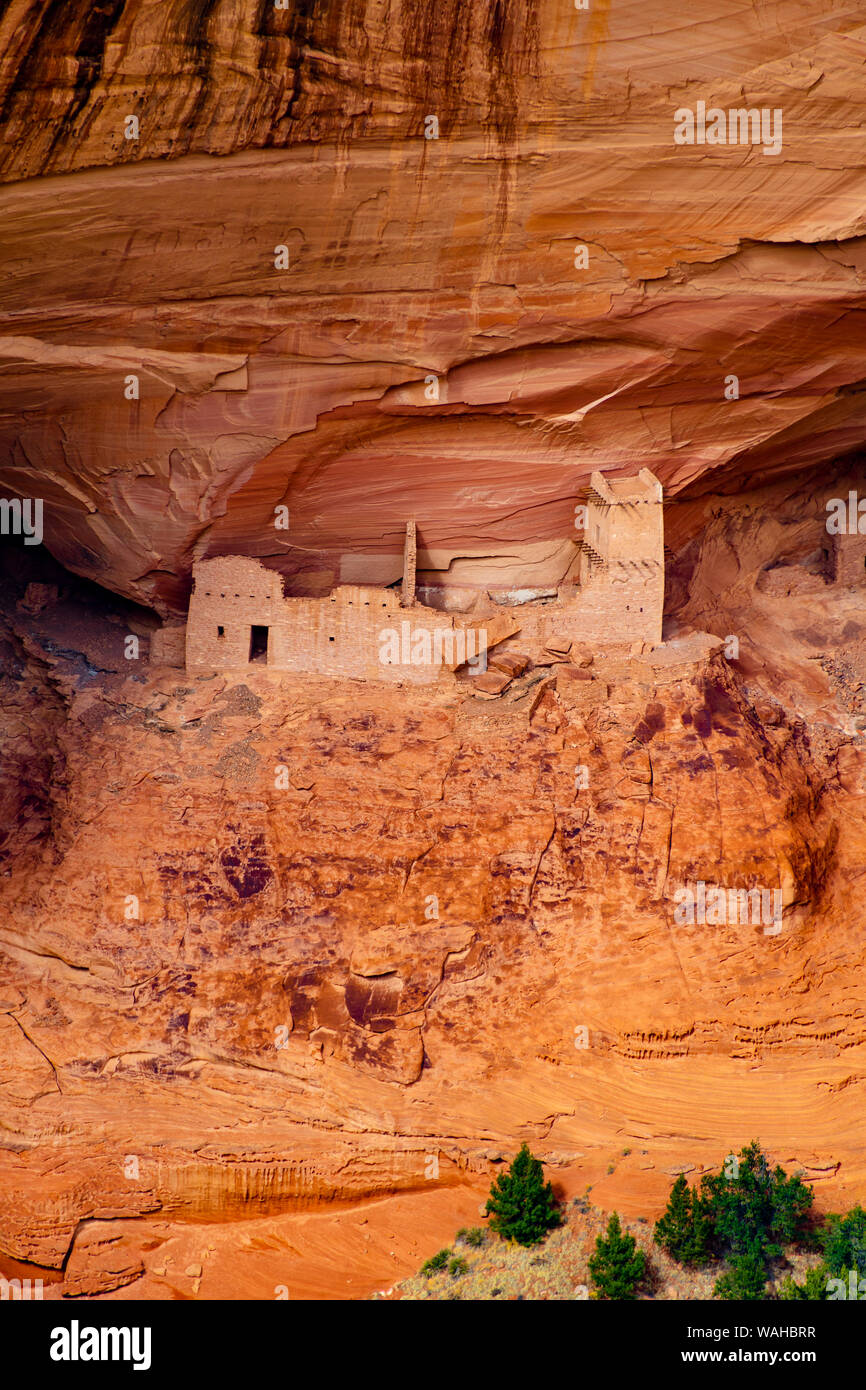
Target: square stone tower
[
  {"x": 233, "y": 610},
  {"x": 624, "y": 524},
  {"x": 622, "y": 563}
]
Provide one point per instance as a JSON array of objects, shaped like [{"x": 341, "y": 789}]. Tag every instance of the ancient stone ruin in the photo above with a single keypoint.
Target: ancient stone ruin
[
  {"x": 238, "y": 614},
  {"x": 622, "y": 569},
  {"x": 847, "y": 559}
]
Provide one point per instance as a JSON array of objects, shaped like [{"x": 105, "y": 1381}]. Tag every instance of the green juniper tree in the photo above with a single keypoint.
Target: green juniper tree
[
  {"x": 522, "y": 1206},
  {"x": 813, "y": 1288},
  {"x": 746, "y": 1280},
  {"x": 747, "y": 1213},
  {"x": 756, "y": 1210},
  {"x": 844, "y": 1242},
  {"x": 686, "y": 1228},
  {"x": 616, "y": 1268}
]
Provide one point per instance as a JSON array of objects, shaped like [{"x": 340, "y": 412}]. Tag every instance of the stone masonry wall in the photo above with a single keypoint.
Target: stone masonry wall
[
  {"x": 238, "y": 612},
  {"x": 607, "y": 610},
  {"x": 337, "y": 636},
  {"x": 621, "y": 595},
  {"x": 849, "y": 559}
]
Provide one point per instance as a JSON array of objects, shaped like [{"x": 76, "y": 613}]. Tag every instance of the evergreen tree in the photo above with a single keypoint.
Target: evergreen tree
[
  {"x": 757, "y": 1212},
  {"x": 685, "y": 1229},
  {"x": 844, "y": 1242},
  {"x": 813, "y": 1288},
  {"x": 616, "y": 1268},
  {"x": 521, "y": 1204},
  {"x": 746, "y": 1280}
]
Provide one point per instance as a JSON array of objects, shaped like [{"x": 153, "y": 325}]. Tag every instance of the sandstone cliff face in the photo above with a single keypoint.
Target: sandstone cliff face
[
  {"x": 284, "y": 940},
  {"x": 411, "y": 259},
  {"x": 171, "y": 906}
]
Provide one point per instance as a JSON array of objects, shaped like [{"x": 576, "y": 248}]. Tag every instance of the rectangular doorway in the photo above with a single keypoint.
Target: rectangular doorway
[{"x": 259, "y": 644}]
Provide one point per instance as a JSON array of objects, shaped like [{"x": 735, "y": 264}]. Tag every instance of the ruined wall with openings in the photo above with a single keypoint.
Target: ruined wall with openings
[
  {"x": 623, "y": 606},
  {"x": 237, "y": 613},
  {"x": 231, "y": 595}
]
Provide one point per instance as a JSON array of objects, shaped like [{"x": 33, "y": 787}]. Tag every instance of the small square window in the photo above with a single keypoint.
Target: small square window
[{"x": 221, "y": 632}]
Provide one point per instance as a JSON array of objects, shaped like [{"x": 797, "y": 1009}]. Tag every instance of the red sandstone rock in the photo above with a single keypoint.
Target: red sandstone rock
[
  {"x": 511, "y": 663},
  {"x": 308, "y": 388},
  {"x": 164, "y": 788},
  {"x": 104, "y": 1257},
  {"x": 433, "y": 899},
  {"x": 37, "y": 597},
  {"x": 490, "y": 684}
]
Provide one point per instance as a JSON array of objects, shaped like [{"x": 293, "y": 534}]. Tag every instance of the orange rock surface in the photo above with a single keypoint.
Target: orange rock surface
[
  {"x": 229, "y": 996},
  {"x": 230, "y": 992},
  {"x": 411, "y": 259}
]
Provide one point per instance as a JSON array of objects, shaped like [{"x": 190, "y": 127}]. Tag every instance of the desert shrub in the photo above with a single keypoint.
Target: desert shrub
[
  {"x": 685, "y": 1229},
  {"x": 473, "y": 1235},
  {"x": 522, "y": 1206},
  {"x": 436, "y": 1263},
  {"x": 458, "y": 1266},
  {"x": 617, "y": 1267}
]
